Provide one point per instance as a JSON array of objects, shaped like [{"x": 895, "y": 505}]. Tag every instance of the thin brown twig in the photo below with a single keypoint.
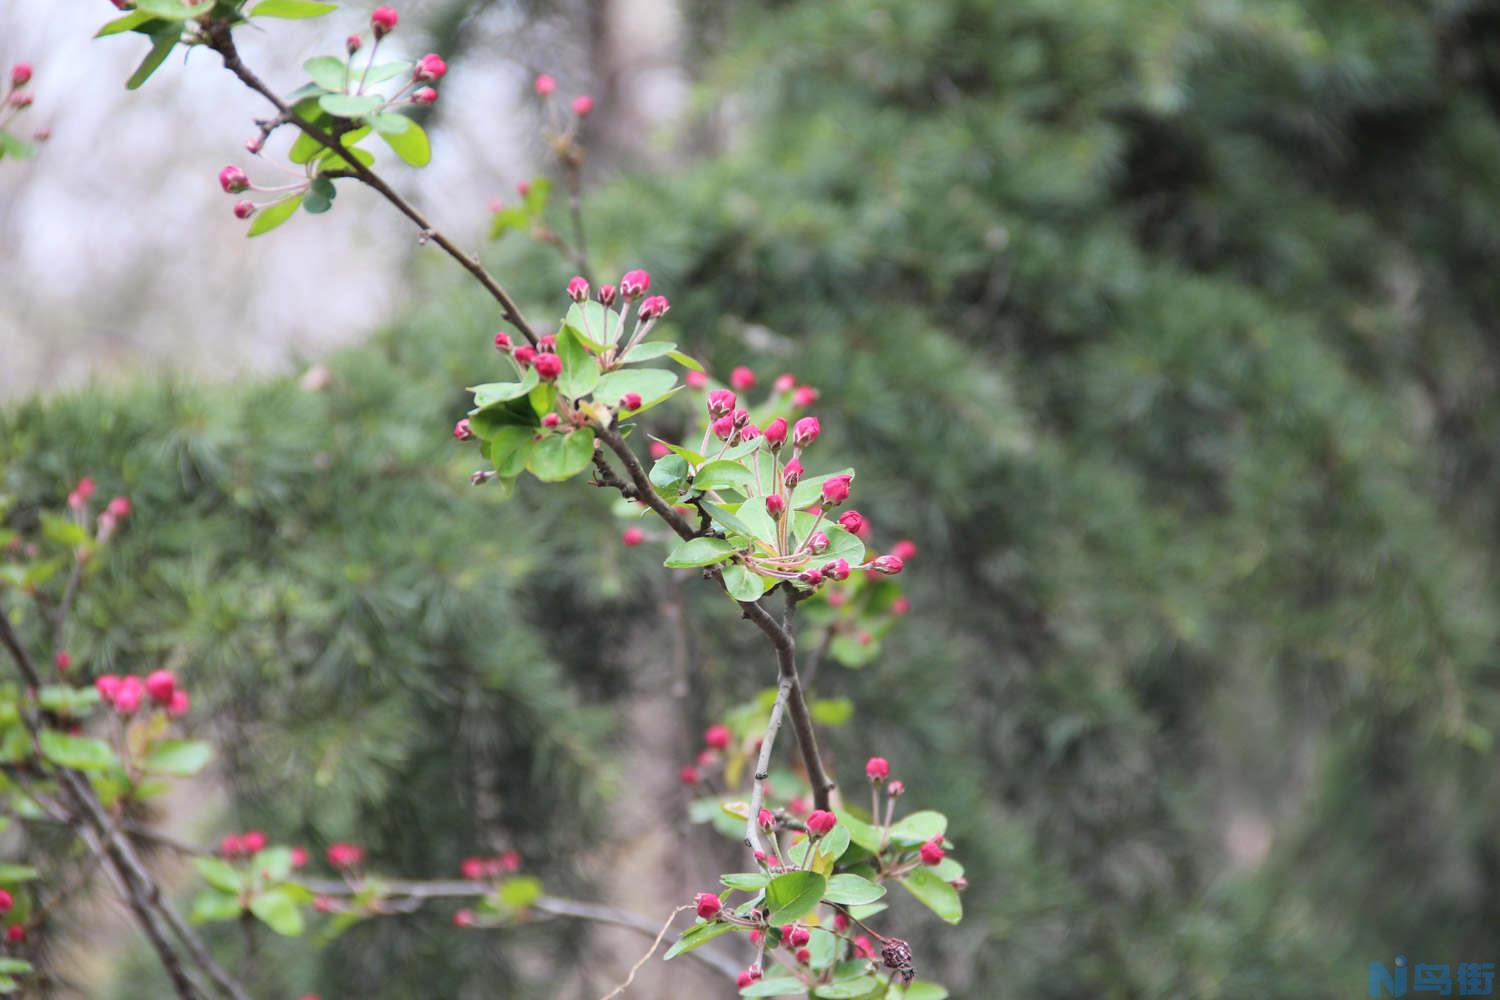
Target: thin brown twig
[{"x": 646, "y": 957}]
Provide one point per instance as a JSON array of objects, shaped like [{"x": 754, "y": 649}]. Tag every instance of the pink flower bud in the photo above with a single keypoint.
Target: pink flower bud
[
  {"x": 21, "y": 99},
  {"x": 108, "y": 685},
  {"x": 606, "y": 294},
  {"x": 551, "y": 421},
  {"x": 382, "y": 20},
  {"x": 797, "y": 936},
  {"x": 720, "y": 402},
  {"x": 63, "y": 660},
  {"x": 775, "y": 504},
  {"x": 791, "y": 473},
  {"x": 836, "y": 490},
  {"x": 811, "y": 577},
  {"x": 744, "y": 979},
  {"x": 130, "y": 695},
  {"x": 161, "y": 685},
  {"x": 544, "y": 85},
  {"x": 840, "y": 921},
  {"x": 233, "y": 180},
  {"x": 6, "y": 901},
  {"x": 244, "y": 209},
  {"x": 430, "y": 67},
  {"x": 633, "y": 536},
  {"x": 895, "y": 789},
  {"x": 742, "y": 379},
  {"x": 852, "y": 521},
  {"x": 659, "y": 450},
  {"x": 254, "y": 145},
  {"x": 716, "y": 737},
  {"x": 179, "y": 705},
  {"x": 502, "y": 341},
  {"x": 889, "y": 565},
  {"x": 118, "y": 507},
  {"x": 756, "y": 934},
  {"x": 15, "y": 933},
  {"x": 524, "y": 355},
  {"x": 510, "y": 861},
  {"x": 877, "y": 768},
  {"x": 708, "y": 905},
  {"x": 776, "y": 433},
  {"x": 905, "y": 548},
  {"x": 20, "y": 74},
  {"x": 424, "y": 95},
  {"x": 464, "y": 918},
  {"x": 932, "y": 851},
  {"x": 547, "y": 342},
  {"x": 696, "y": 379},
  {"x": 688, "y": 775},
  {"x": 806, "y": 431},
  {"x": 299, "y": 857},
  {"x": 630, "y": 401},
  {"x": 760, "y": 856},
  {"x": 352, "y": 44},
  {"x": 741, "y": 418},
  {"x": 253, "y": 842},
  {"x": 85, "y": 488},
  {"x": 804, "y": 955},
  {"x": 805, "y": 396},
  {"x": 634, "y": 283},
  {"x": 578, "y": 288},
  {"x": 820, "y": 821},
  {"x": 472, "y": 869},
  {"x": 323, "y": 904},
  {"x": 229, "y": 845},
  {"x": 342, "y": 855},
  {"x": 654, "y": 307},
  {"x": 900, "y": 606},
  {"x": 583, "y": 105},
  {"x": 724, "y": 427},
  {"x": 548, "y": 366},
  {"x": 523, "y": 188},
  {"x": 863, "y": 948},
  {"x": 766, "y": 818},
  {"x": 461, "y": 430},
  {"x": 817, "y": 542}
]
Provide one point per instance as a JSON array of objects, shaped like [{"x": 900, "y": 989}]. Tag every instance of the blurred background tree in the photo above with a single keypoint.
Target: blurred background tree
[{"x": 1165, "y": 329}]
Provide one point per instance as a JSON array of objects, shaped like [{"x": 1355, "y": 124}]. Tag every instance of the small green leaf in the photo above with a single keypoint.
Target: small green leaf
[
  {"x": 668, "y": 471},
  {"x": 722, "y": 475},
  {"x": 499, "y": 392},
  {"x": 696, "y": 935},
  {"x": 273, "y": 215},
  {"x": 210, "y": 905},
  {"x": 12, "y": 874},
  {"x": 220, "y": 874},
  {"x": 77, "y": 752},
  {"x": 699, "y": 552},
  {"x": 685, "y": 361},
  {"x": 63, "y": 530},
  {"x": 937, "y": 895},
  {"x": 272, "y": 864},
  {"x": 794, "y": 895},
  {"x": 390, "y": 123},
  {"x": 647, "y": 351},
  {"x": 781, "y": 986},
  {"x": 743, "y": 583},
  {"x": 175, "y": 10},
  {"x": 319, "y": 197},
  {"x": 851, "y": 890},
  {"x": 848, "y": 989},
  {"x": 278, "y": 911},
  {"x": 562, "y": 456},
  {"x": 919, "y": 990},
  {"x": 179, "y": 757},
  {"x": 519, "y": 893},
  {"x": 918, "y": 828},
  {"x": 599, "y": 327},
  {"x": 292, "y": 9},
  {"x": 726, "y": 520},
  {"x": 129, "y": 22},
  {"x": 410, "y": 144},
  {"x": 162, "y": 44},
  {"x": 832, "y": 712},
  {"x": 510, "y": 449},
  {"x": 580, "y": 370},
  {"x": 860, "y": 832},
  {"x": 14, "y": 965},
  {"x": 350, "y": 105},
  {"x": 535, "y": 199},
  {"x": 328, "y": 72},
  {"x": 649, "y": 382},
  {"x": 745, "y": 881}
]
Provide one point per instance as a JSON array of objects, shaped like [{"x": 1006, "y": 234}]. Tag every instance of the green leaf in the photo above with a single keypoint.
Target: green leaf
[
  {"x": 350, "y": 105},
  {"x": 293, "y": 9},
  {"x": 722, "y": 475},
  {"x": 14, "y": 965},
  {"x": 272, "y": 216},
  {"x": 410, "y": 144},
  {"x": 77, "y": 752},
  {"x": 685, "y": 361},
  {"x": 63, "y": 530},
  {"x": 162, "y": 44},
  {"x": 580, "y": 371},
  {"x": 781, "y": 986},
  {"x": 726, "y": 520},
  {"x": 808, "y": 490},
  {"x": 698, "y": 934},
  {"x": 505, "y": 220},
  {"x": 851, "y": 890},
  {"x": 699, "y": 552},
  {"x": 67, "y": 700},
  {"x": 510, "y": 450},
  {"x": 743, "y": 583},
  {"x": 919, "y": 990},
  {"x": 328, "y": 72},
  {"x": 794, "y": 895},
  {"x": 860, "y": 832},
  {"x": 210, "y": 905},
  {"x": 11, "y": 146},
  {"x": 12, "y": 874},
  {"x": 535, "y": 199},
  {"x": 179, "y": 757},
  {"x": 519, "y": 893},
  {"x": 832, "y": 712},
  {"x": 918, "y": 828},
  {"x": 848, "y": 989},
  {"x": 272, "y": 864},
  {"x": 937, "y": 895},
  {"x": 745, "y": 881},
  {"x": 649, "y": 382},
  {"x": 220, "y": 874},
  {"x": 543, "y": 398},
  {"x": 385, "y": 71},
  {"x": 499, "y": 392},
  {"x": 278, "y": 911},
  {"x": 129, "y": 22},
  {"x": 319, "y": 197},
  {"x": 668, "y": 471},
  {"x": 390, "y": 123},
  {"x": 306, "y": 147},
  {"x": 647, "y": 351},
  {"x": 562, "y": 456},
  {"x": 175, "y": 10},
  {"x": 599, "y": 327},
  {"x": 822, "y": 946},
  {"x": 760, "y": 524}
]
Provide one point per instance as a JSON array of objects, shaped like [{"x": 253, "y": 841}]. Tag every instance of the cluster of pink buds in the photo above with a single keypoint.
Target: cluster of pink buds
[
  {"x": 748, "y": 977},
  {"x": 485, "y": 869},
  {"x": 716, "y": 740},
  {"x": 20, "y": 76},
  {"x": 545, "y": 86},
  {"x": 932, "y": 851},
  {"x": 128, "y": 693},
  {"x": 244, "y": 845},
  {"x": 345, "y": 856}
]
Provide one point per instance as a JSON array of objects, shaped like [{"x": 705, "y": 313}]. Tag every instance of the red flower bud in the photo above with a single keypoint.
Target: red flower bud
[
  {"x": 742, "y": 378},
  {"x": 805, "y": 396},
  {"x": 766, "y": 818},
  {"x": 323, "y": 904},
  {"x": 889, "y": 565},
  {"x": 502, "y": 341},
  {"x": 791, "y": 473},
  {"x": 817, "y": 542},
  {"x": 233, "y": 180},
  {"x": 461, "y": 430},
  {"x": 716, "y": 737},
  {"x": 551, "y": 420},
  {"x": 631, "y": 401},
  {"x": 756, "y": 934},
  {"x": 299, "y": 857},
  {"x": 741, "y": 418},
  {"x": 776, "y": 433},
  {"x": 578, "y": 288},
  {"x": 895, "y": 789},
  {"x": 547, "y": 343},
  {"x": 548, "y": 366},
  {"x": 63, "y": 660},
  {"x": 583, "y": 104},
  {"x": 806, "y": 431},
  {"x": 633, "y": 536},
  {"x": 877, "y": 768},
  {"x": 659, "y": 450},
  {"x": 424, "y": 95},
  {"x": 749, "y": 432},
  {"x": 510, "y": 861},
  {"x": 253, "y": 842},
  {"x": 905, "y": 548},
  {"x": 430, "y": 67},
  {"x": 654, "y": 307},
  {"x": 160, "y": 685},
  {"x": 836, "y": 490},
  {"x": 524, "y": 355},
  {"x": 724, "y": 427},
  {"x": 900, "y": 606},
  {"x": 128, "y": 698},
  {"x": 230, "y": 846},
  {"x": 85, "y": 487},
  {"x": 606, "y": 294},
  {"x": 463, "y": 918},
  {"x": 863, "y": 948},
  {"x": 634, "y": 283},
  {"x": 254, "y": 145},
  {"x": 688, "y": 775},
  {"x": 799, "y": 936},
  {"x": 932, "y": 851},
  {"x": 15, "y": 933},
  {"x": 804, "y": 956},
  {"x": 775, "y": 505},
  {"x": 544, "y": 85},
  {"x": 472, "y": 869},
  {"x": 744, "y": 979},
  {"x": 244, "y": 209},
  {"x": 352, "y": 44},
  {"x": 20, "y": 74},
  {"x": 720, "y": 402},
  {"x": 708, "y": 905},
  {"x": 852, "y": 521},
  {"x": 6, "y": 901},
  {"x": 108, "y": 685},
  {"x": 179, "y": 704},
  {"x": 820, "y": 822},
  {"x": 343, "y": 855},
  {"x": 382, "y": 20},
  {"x": 840, "y": 921},
  {"x": 118, "y": 507},
  {"x": 695, "y": 380},
  {"x": 837, "y": 570},
  {"x": 811, "y": 577}
]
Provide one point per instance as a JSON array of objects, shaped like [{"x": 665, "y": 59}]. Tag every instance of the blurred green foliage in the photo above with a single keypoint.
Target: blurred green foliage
[{"x": 1163, "y": 328}]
